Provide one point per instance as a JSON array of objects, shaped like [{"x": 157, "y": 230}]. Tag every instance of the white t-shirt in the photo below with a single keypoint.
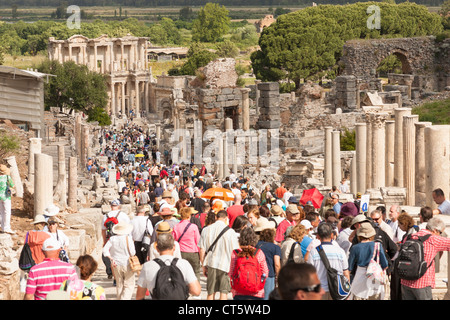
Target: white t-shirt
[
  {"x": 140, "y": 223},
  {"x": 147, "y": 277}
]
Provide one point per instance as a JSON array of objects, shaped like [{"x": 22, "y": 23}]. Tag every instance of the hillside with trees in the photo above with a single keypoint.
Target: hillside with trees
[{"x": 307, "y": 44}]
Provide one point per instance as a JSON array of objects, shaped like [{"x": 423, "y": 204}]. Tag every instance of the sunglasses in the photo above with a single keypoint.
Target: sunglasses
[{"x": 315, "y": 288}]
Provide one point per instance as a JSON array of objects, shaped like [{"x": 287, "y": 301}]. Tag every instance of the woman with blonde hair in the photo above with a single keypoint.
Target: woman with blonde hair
[{"x": 291, "y": 250}]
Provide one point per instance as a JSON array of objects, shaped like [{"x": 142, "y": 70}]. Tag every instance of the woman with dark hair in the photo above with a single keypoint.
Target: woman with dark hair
[
  {"x": 272, "y": 252},
  {"x": 239, "y": 224},
  {"x": 247, "y": 252},
  {"x": 264, "y": 211},
  {"x": 83, "y": 288}
]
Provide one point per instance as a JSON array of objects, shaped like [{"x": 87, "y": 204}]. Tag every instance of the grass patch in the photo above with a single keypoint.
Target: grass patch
[
  {"x": 23, "y": 62},
  {"x": 436, "y": 112}
]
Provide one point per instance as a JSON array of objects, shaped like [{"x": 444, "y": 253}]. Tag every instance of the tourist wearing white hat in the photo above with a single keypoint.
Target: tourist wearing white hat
[
  {"x": 6, "y": 184},
  {"x": 51, "y": 211},
  {"x": 118, "y": 250},
  {"x": 120, "y": 217}
]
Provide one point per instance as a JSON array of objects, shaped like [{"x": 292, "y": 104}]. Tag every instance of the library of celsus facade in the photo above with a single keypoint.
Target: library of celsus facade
[{"x": 122, "y": 60}]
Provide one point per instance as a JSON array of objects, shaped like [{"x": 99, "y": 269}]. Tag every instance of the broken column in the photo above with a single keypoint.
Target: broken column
[
  {"x": 361, "y": 153},
  {"x": 15, "y": 176},
  {"x": 60, "y": 191},
  {"x": 35, "y": 146},
  {"x": 437, "y": 162},
  {"x": 409, "y": 145},
  {"x": 336, "y": 161},
  {"x": 73, "y": 183},
  {"x": 43, "y": 182},
  {"x": 245, "y": 109},
  {"x": 328, "y": 168},
  {"x": 420, "y": 185},
  {"x": 346, "y": 93},
  {"x": 257, "y": 97},
  {"x": 269, "y": 106},
  {"x": 398, "y": 145}
]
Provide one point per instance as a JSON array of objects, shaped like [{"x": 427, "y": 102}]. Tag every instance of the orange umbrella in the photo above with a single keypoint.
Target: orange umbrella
[{"x": 219, "y": 193}]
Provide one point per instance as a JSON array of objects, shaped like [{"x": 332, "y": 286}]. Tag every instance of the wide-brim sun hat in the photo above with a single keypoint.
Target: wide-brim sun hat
[
  {"x": 358, "y": 219},
  {"x": 366, "y": 231},
  {"x": 51, "y": 210},
  {"x": 276, "y": 210},
  {"x": 39, "y": 218},
  {"x": 122, "y": 228},
  {"x": 163, "y": 227},
  {"x": 166, "y": 211},
  {"x": 263, "y": 224}
]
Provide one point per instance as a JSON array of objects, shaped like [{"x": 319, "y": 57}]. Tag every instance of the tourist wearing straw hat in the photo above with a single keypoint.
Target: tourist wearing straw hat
[
  {"x": 163, "y": 227},
  {"x": 6, "y": 184},
  {"x": 119, "y": 249},
  {"x": 36, "y": 238}
]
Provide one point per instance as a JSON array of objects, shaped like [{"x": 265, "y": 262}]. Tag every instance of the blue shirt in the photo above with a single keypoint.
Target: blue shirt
[
  {"x": 361, "y": 254},
  {"x": 305, "y": 243},
  {"x": 337, "y": 207},
  {"x": 270, "y": 250}
]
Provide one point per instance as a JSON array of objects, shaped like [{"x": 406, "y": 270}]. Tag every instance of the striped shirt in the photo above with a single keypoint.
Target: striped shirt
[
  {"x": 48, "y": 276},
  {"x": 337, "y": 258},
  {"x": 431, "y": 247}
]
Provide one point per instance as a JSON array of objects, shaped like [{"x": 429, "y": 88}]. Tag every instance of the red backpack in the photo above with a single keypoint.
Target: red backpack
[{"x": 247, "y": 278}]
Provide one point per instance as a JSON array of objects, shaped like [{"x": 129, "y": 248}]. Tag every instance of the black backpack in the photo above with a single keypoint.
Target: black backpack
[
  {"x": 169, "y": 284},
  {"x": 411, "y": 264},
  {"x": 26, "y": 260},
  {"x": 338, "y": 285}
]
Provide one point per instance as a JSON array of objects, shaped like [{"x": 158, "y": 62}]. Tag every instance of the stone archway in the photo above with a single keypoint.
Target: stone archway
[{"x": 361, "y": 57}]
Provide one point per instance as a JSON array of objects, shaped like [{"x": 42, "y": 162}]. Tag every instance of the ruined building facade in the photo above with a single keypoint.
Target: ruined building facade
[{"x": 122, "y": 60}]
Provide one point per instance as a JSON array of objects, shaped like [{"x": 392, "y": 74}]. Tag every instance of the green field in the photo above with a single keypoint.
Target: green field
[{"x": 145, "y": 14}]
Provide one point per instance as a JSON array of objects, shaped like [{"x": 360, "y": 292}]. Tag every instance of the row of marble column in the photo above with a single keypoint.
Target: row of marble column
[
  {"x": 402, "y": 152},
  {"x": 119, "y": 105},
  {"x": 40, "y": 175}
]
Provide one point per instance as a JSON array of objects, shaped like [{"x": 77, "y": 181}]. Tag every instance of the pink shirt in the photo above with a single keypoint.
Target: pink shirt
[
  {"x": 189, "y": 242},
  {"x": 48, "y": 276},
  {"x": 281, "y": 229}
]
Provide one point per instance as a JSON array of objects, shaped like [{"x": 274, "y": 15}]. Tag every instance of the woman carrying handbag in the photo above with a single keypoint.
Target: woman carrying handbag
[{"x": 368, "y": 259}]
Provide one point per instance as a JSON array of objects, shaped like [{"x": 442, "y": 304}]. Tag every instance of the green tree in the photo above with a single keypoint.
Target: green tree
[
  {"x": 9, "y": 144},
  {"x": 444, "y": 12},
  {"x": 348, "y": 140},
  {"x": 196, "y": 60},
  {"x": 227, "y": 49},
  {"x": 211, "y": 23},
  {"x": 75, "y": 87},
  {"x": 14, "y": 13},
  {"x": 186, "y": 14},
  {"x": 2, "y": 55},
  {"x": 307, "y": 44}
]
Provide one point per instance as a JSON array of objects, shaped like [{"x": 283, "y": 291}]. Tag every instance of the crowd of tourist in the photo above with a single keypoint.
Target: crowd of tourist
[{"x": 174, "y": 223}]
